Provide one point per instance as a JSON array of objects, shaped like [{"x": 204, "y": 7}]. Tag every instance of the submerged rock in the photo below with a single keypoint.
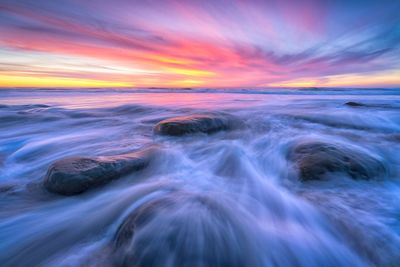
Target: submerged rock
[
  {"x": 197, "y": 123},
  {"x": 183, "y": 230},
  {"x": 315, "y": 159},
  {"x": 74, "y": 175}
]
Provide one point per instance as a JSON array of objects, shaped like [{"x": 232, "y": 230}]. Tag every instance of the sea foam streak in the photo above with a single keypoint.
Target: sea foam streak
[{"x": 228, "y": 198}]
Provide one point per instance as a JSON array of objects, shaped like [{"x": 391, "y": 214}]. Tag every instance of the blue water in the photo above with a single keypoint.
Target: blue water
[{"x": 265, "y": 215}]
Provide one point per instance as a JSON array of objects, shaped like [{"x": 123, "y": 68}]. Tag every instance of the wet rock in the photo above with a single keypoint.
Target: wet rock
[
  {"x": 183, "y": 230},
  {"x": 371, "y": 105},
  {"x": 393, "y": 138},
  {"x": 197, "y": 123},
  {"x": 74, "y": 175},
  {"x": 4, "y": 188},
  {"x": 354, "y": 104},
  {"x": 315, "y": 159}
]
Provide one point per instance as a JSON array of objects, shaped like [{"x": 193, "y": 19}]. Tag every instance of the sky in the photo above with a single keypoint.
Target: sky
[{"x": 214, "y": 43}]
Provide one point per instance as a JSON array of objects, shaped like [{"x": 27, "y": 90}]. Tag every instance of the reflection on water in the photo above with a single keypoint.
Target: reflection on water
[{"x": 232, "y": 198}]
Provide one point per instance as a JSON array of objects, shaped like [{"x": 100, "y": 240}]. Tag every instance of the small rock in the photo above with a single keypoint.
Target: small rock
[
  {"x": 354, "y": 104},
  {"x": 197, "y": 123},
  {"x": 6, "y": 188},
  {"x": 314, "y": 159},
  {"x": 74, "y": 175}
]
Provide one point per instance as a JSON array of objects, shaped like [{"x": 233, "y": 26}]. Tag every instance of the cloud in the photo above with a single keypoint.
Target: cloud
[{"x": 234, "y": 42}]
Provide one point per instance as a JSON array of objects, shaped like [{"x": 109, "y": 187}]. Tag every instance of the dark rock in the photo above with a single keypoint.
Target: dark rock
[
  {"x": 314, "y": 159},
  {"x": 6, "y": 188},
  {"x": 372, "y": 105},
  {"x": 393, "y": 138},
  {"x": 354, "y": 104},
  {"x": 197, "y": 123},
  {"x": 184, "y": 230},
  {"x": 74, "y": 175}
]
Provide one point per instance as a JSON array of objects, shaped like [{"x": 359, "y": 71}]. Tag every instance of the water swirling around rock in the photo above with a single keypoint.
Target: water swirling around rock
[
  {"x": 314, "y": 159},
  {"x": 305, "y": 180}
]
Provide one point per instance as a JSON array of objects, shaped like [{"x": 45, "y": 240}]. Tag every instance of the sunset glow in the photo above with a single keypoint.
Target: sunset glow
[{"x": 199, "y": 43}]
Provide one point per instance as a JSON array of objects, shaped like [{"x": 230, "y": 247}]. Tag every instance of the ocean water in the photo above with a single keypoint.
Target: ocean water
[{"x": 232, "y": 198}]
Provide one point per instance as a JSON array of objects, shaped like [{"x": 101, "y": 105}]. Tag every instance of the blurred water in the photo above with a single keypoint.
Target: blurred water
[{"x": 227, "y": 199}]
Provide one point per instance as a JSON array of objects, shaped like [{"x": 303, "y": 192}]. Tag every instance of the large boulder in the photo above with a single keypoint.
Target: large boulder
[
  {"x": 315, "y": 159},
  {"x": 183, "y": 230},
  {"x": 197, "y": 123},
  {"x": 74, "y": 175}
]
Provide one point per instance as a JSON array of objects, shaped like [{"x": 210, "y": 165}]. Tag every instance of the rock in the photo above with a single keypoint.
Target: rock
[
  {"x": 315, "y": 159},
  {"x": 4, "y": 188},
  {"x": 393, "y": 138},
  {"x": 74, "y": 175},
  {"x": 183, "y": 230},
  {"x": 197, "y": 123},
  {"x": 354, "y": 104},
  {"x": 372, "y": 105}
]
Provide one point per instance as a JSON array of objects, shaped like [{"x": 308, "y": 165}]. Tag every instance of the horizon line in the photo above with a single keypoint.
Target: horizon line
[{"x": 197, "y": 88}]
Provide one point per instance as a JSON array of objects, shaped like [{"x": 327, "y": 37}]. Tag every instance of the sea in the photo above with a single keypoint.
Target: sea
[{"x": 229, "y": 198}]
